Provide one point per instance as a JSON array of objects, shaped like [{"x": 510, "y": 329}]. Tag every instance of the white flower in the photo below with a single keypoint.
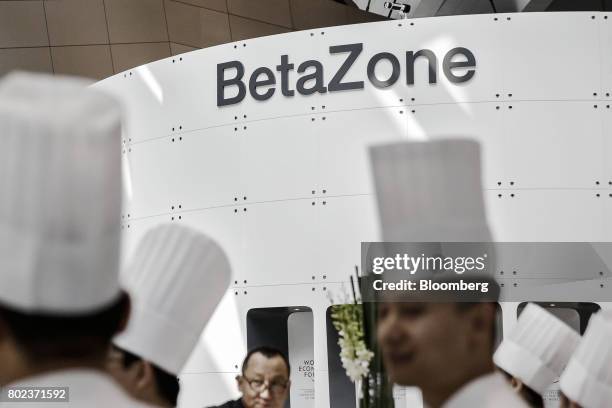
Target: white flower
[{"x": 354, "y": 354}]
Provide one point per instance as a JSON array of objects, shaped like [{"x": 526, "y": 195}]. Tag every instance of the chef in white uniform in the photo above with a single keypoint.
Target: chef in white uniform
[
  {"x": 60, "y": 208},
  {"x": 176, "y": 279},
  {"x": 431, "y": 192},
  {"x": 587, "y": 379},
  {"x": 535, "y": 352}
]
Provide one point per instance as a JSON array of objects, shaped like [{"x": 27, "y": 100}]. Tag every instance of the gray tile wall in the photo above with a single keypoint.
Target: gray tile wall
[{"x": 98, "y": 38}]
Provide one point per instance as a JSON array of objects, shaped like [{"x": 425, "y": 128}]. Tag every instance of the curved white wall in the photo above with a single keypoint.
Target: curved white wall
[{"x": 284, "y": 184}]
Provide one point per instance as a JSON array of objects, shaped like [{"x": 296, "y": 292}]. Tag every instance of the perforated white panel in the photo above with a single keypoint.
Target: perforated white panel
[{"x": 284, "y": 184}]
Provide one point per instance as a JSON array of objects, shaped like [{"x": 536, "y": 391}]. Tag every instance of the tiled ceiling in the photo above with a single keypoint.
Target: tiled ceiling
[{"x": 97, "y": 38}]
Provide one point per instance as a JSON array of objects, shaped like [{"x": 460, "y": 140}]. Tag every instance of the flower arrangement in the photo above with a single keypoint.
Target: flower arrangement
[
  {"x": 355, "y": 356},
  {"x": 356, "y": 325}
]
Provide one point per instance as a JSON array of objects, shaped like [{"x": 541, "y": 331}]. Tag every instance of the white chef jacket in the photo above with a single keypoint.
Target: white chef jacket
[
  {"x": 488, "y": 391},
  {"x": 88, "y": 388}
]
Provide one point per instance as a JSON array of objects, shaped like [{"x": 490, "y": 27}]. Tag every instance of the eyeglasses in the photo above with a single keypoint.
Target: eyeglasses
[{"x": 259, "y": 386}]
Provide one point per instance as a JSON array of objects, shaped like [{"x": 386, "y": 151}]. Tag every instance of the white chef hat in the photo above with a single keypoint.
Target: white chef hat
[
  {"x": 176, "y": 279},
  {"x": 537, "y": 350},
  {"x": 60, "y": 195},
  {"x": 430, "y": 191},
  {"x": 587, "y": 379}
]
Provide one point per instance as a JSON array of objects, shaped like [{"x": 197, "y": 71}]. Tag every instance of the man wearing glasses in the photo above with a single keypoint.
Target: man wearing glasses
[{"x": 264, "y": 382}]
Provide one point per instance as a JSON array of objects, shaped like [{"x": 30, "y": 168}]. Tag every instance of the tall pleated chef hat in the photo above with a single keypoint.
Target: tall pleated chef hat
[
  {"x": 537, "y": 350},
  {"x": 176, "y": 278},
  {"x": 430, "y": 191},
  {"x": 587, "y": 379},
  {"x": 60, "y": 195}
]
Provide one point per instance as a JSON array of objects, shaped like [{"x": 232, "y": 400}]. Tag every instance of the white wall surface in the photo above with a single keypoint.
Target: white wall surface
[{"x": 284, "y": 184}]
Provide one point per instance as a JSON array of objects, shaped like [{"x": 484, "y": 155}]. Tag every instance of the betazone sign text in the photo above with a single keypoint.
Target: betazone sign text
[{"x": 263, "y": 81}]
